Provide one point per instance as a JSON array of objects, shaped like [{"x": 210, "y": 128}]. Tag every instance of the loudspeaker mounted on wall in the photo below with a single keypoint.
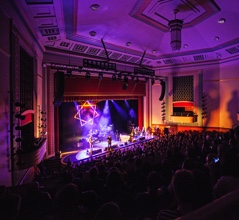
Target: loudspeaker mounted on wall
[
  {"x": 58, "y": 88},
  {"x": 162, "y": 91}
]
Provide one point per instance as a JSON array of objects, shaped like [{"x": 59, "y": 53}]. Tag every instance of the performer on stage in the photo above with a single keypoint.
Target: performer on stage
[
  {"x": 109, "y": 139},
  {"x": 90, "y": 140}
]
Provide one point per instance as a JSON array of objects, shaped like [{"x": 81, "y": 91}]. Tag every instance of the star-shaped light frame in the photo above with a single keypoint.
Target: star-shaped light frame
[{"x": 86, "y": 113}]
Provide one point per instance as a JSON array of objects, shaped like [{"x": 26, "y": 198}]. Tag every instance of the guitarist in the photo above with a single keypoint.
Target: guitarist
[
  {"x": 90, "y": 141},
  {"x": 109, "y": 140}
]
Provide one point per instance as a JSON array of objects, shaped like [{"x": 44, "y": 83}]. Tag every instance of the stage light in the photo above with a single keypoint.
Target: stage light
[
  {"x": 119, "y": 76},
  {"x": 113, "y": 77},
  {"x": 87, "y": 75},
  {"x": 137, "y": 79},
  {"x": 69, "y": 73},
  {"x": 126, "y": 79},
  {"x": 125, "y": 85},
  {"x": 100, "y": 76}
]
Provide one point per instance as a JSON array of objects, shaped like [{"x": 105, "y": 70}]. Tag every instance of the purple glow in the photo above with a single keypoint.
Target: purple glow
[
  {"x": 120, "y": 110},
  {"x": 127, "y": 104},
  {"x": 105, "y": 118}
]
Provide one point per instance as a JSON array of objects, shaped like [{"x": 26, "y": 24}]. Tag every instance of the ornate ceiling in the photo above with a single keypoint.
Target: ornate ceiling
[{"x": 135, "y": 31}]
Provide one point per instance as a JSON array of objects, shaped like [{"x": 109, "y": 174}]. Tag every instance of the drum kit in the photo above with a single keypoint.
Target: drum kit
[
  {"x": 102, "y": 133},
  {"x": 106, "y": 130}
]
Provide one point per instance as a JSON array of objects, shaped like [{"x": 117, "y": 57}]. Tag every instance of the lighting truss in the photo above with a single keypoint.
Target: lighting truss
[{"x": 101, "y": 68}]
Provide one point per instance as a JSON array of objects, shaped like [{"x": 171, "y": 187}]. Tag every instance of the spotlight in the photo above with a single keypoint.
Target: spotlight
[
  {"x": 119, "y": 76},
  {"x": 137, "y": 79},
  {"x": 125, "y": 79},
  {"x": 125, "y": 86},
  {"x": 114, "y": 77},
  {"x": 69, "y": 73},
  {"x": 100, "y": 76},
  {"x": 87, "y": 75}
]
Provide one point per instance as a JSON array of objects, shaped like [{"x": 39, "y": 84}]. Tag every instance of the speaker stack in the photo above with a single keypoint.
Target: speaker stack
[
  {"x": 162, "y": 91},
  {"x": 58, "y": 88}
]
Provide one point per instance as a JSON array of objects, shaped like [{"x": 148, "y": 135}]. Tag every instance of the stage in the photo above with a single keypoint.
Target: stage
[{"x": 77, "y": 148}]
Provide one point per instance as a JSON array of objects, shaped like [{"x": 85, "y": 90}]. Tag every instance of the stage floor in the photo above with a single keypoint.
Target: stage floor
[{"x": 77, "y": 148}]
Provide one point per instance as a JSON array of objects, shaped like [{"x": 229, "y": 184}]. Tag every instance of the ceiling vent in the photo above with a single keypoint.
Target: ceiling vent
[
  {"x": 133, "y": 59},
  {"x": 169, "y": 61},
  {"x": 64, "y": 44},
  {"x": 52, "y": 38},
  {"x": 103, "y": 53},
  {"x": 79, "y": 48},
  {"x": 115, "y": 56},
  {"x": 124, "y": 57},
  {"x": 198, "y": 57},
  {"x": 93, "y": 51},
  {"x": 38, "y": 2},
  {"x": 233, "y": 50},
  {"x": 49, "y": 31}
]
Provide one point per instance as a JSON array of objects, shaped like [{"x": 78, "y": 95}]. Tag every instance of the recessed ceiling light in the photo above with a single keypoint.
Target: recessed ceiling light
[
  {"x": 216, "y": 38},
  {"x": 221, "y": 20},
  {"x": 92, "y": 33},
  {"x": 185, "y": 46},
  {"x": 94, "y": 7},
  {"x": 153, "y": 51},
  {"x": 128, "y": 44}
]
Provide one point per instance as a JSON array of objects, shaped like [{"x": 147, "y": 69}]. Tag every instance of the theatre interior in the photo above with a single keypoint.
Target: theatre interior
[{"x": 81, "y": 80}]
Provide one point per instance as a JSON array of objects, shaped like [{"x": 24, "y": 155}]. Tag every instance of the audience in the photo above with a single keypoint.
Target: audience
[{"x": 164, "y": 178}]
